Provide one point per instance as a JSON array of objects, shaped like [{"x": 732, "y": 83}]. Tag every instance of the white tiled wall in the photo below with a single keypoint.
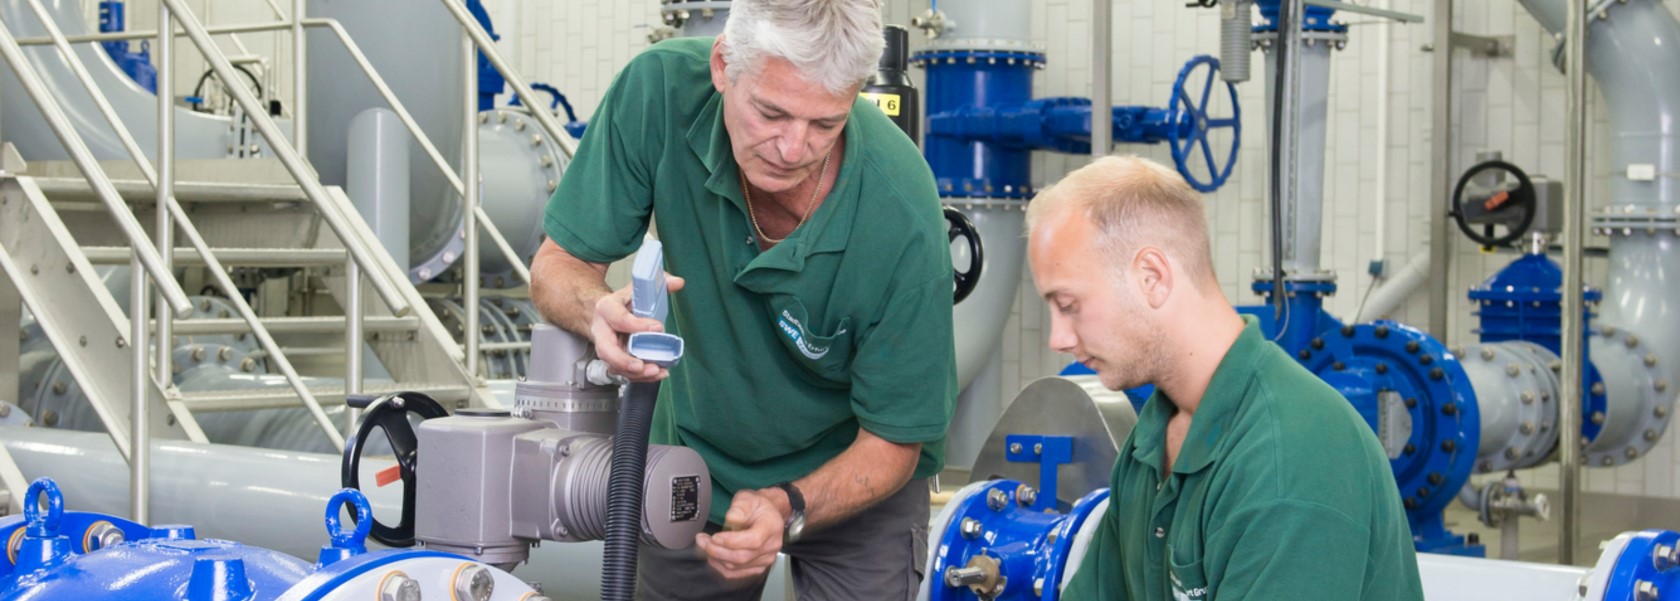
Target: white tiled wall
[{"x": 1513, "y": 104}]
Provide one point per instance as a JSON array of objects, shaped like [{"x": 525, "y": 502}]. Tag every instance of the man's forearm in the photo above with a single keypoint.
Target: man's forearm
[
  {"x": 566, "y": 288},
  {"x": 865, "y": 473}
]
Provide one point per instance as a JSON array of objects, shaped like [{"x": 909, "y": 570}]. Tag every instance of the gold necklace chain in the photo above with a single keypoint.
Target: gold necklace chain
[{"x": 747, "y": 193}]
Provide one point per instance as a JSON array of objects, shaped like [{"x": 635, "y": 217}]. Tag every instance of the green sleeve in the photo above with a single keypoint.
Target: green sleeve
[
  {"x": 600, "y": 210},
  {"x": 1100, "y": 576},
  {"x": 904, "y": 372},
  {"x": 1286, "y": 550}
]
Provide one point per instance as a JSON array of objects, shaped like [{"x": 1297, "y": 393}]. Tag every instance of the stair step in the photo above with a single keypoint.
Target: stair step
[
  {"x": 283, "y": 397},
  {"x": 291, "y": 325},
  {"x": 75, "y": 188},
  {"x": 243, "y": 257}
]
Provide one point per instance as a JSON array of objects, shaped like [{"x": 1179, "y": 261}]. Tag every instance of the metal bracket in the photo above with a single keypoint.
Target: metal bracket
[
  {"x": 1484, "y": 46},
  {"x": 12, "y": 484},
  {"x": 11, "y": 163},
  {"x": 1050, "y": 453}
]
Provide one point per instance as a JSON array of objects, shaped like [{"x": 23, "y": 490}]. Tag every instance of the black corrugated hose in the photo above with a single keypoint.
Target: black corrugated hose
[{"x": 624, "y": 491}]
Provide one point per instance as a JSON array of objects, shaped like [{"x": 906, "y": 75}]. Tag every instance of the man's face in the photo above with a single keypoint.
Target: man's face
[
  {"x": 1094, "y": 314},
  {"x": 780, "y": 125}
]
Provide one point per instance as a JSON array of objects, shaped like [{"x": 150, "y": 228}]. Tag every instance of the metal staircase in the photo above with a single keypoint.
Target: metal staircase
[{"x": 59, "y": 221}]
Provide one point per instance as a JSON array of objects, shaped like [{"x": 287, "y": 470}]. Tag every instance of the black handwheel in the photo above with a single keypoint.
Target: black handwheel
[
  {"x": 390, "y": 413},
  {"x": 1518, "y": 203},
  {"x": 961, "y": 227}
]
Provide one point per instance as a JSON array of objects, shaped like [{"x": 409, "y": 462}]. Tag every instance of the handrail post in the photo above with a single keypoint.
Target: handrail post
[
  {"x": 165, "y": 184},
  {"x": 300, "y": 81},
  {"x": 481, "y": 38},
  {"x": 139, "y": 436},
  {"x": 352, "y": 340},
  {"x": 469, "y": 170}
]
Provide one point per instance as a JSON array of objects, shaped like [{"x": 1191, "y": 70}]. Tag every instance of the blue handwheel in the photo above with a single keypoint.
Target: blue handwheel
[{"x": 1189, "y": 107}]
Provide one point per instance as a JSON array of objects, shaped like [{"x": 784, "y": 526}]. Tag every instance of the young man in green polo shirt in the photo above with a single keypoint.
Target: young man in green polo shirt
[
  {"x": 814, "y": 295},
  {"x": 1246, "y": 477}
]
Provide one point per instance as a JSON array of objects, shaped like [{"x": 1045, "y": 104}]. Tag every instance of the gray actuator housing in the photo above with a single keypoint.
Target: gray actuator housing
[{"x": 492, "y": 483}]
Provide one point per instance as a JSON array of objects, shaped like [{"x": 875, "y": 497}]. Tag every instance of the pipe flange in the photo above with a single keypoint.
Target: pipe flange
[
  {"x": 983, "y": 189},
  {"x": 1627, "y": 220},
  {"x": 1393, "y": 362},
  {"x": 1031, "y": 56},
  {"x": 494, "y": 327},
  {"x": 944, "y": 44},
  {"x": 1267, "y": 40},
  {"x": 677, "y": 12},
  {"x": 521, "y": 166},
  {"x": 1640, "y": 398},
  {"x": 1005, "y": 204},
  {"x": 1032, "y": 549},
  {"x": 15, "y": 416},
  {"x": 1515, "y": 389}
]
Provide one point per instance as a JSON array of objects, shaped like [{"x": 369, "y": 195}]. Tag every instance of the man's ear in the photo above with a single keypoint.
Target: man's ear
[
  {"x": 1153, "y": 275},
  {"x": 720, "y": 79}
]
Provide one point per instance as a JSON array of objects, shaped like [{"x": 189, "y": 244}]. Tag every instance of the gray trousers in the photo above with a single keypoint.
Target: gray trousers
[{"x": 877, "y": 554}]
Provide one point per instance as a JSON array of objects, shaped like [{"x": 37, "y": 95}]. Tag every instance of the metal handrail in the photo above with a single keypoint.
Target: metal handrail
[
  {"x": 289, "y": 157},
  {"x": 144, "y": 34},
  {"x": 174, "y": 211},
  {"x": 96, "y": 176},
  {"x": 553, "y": 129},
  {"x": 469, "y": 143}
]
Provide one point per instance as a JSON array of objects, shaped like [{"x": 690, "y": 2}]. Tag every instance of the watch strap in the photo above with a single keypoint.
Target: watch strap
[{"x": 796, "y": 500}]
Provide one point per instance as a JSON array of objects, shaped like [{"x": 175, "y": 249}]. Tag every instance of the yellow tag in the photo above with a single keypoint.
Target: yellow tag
[{"x": 888, "y": 103}]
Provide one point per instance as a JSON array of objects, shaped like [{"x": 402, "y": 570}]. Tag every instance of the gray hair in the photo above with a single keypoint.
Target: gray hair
[{"x": 834, "y": 43}]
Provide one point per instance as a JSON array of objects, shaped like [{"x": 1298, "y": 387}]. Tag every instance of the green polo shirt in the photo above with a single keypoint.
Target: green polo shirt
[
  {"x": 846, "y": 323},
  {"x": 1280, "y": 491}
]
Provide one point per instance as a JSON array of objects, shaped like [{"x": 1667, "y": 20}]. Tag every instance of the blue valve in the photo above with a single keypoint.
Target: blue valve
[{"x": 1189, "y": 140}]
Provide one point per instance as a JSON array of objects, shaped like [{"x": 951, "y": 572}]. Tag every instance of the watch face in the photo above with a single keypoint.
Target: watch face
[{"x": 795, "y": 527}]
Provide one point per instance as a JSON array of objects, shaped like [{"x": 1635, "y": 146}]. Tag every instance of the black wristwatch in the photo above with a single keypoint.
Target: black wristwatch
[{"x": 796, "y": 521}]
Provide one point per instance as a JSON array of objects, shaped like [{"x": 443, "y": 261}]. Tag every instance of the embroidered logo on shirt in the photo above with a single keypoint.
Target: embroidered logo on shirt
[
  {"x": 796, "y": 332},
  {"x": 1180, "y": 594}
]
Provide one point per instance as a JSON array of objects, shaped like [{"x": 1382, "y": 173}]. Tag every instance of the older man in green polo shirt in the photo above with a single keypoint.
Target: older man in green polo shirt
[
  {"x": 814, "y": 295},
  {"x": 1246, "y": 477}
]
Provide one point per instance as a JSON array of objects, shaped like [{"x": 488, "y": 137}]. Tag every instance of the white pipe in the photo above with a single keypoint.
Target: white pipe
[
  {"x": 1385, "y": 87},
  {"x": 1391, "y": 295}
]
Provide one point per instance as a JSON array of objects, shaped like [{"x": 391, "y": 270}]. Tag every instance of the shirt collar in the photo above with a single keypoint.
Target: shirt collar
[{"x": 1210, "y": 428}]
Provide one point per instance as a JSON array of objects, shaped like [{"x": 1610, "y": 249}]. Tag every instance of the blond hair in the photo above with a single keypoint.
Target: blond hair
[{"x": 1134, "y": 202}]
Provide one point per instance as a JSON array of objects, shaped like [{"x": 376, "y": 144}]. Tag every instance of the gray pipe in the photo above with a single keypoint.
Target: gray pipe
[
  {"x": 377, "y": 178},
  {"x": 1634, "y": 53},
  {"x": 1304, "y": 210},
  {"x": 1388, "y": 298}
]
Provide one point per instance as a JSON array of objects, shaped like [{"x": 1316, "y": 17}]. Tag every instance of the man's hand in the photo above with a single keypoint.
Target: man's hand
[
  {"x": 751, "y": 536},
  {"x": 611, "y": 325}
]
